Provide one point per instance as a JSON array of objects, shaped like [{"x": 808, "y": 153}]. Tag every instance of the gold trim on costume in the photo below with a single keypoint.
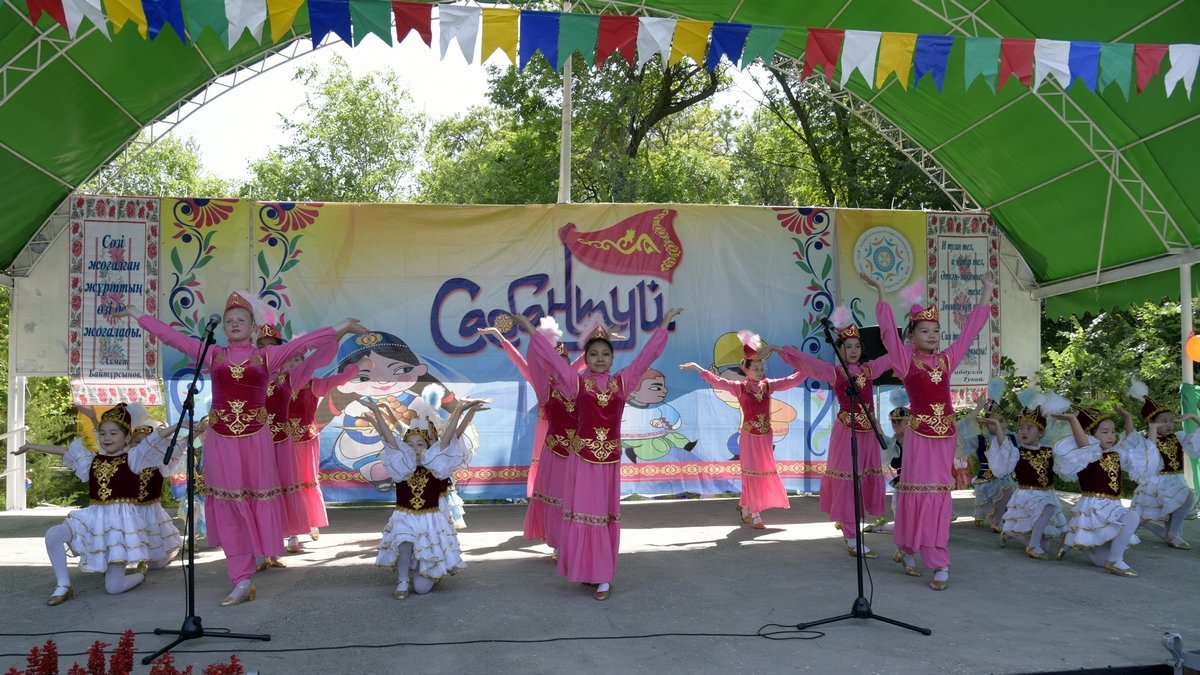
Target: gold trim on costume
[
  {"x": 760, "y": 424},
  {"x": 590, "y": 519},
  {"x": 923, "y": 488},
  {"x": 602, "y": 397}
]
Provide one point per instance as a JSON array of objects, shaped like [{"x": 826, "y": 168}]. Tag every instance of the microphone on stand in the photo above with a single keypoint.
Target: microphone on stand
[{"x": 214, "y": 320}]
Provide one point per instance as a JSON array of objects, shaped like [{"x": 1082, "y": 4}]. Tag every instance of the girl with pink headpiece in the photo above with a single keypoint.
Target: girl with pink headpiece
[
  {"x": 244, "y": 499},
  {"x": 762, "y": 488},
  {"x": 837, "y": 485},
  {"x": 591, "y": 530},
  {"x": 923, "y": 508}
]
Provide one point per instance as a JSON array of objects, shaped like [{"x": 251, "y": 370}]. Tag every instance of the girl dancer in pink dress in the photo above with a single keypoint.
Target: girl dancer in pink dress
[
  {"x": 761, "y": 487},
  {"x": 591, "y": 531},
  {"x": 244, "y": 501},
  {"x": 837, "y": 485},
  {"x": 923, "y": 508}
]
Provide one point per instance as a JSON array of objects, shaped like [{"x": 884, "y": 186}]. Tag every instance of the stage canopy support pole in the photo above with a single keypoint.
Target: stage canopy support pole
[
  {"x": 564, "y": 144},
  {"x": 14, "y": 473}
]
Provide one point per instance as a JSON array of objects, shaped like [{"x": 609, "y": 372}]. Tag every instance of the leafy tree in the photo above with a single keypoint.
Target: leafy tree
[
  {"x": 354, "y": 139},
  {"x": 171, "y": 167}
]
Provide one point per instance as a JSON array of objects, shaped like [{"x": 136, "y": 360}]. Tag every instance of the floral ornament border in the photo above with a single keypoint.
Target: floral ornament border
[
  {"x": 131, "y": 209},
  {"x": 280, "y": 224}
]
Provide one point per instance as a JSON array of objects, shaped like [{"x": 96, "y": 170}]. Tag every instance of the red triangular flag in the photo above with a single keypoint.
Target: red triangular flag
[
  {"x": 52, "y": 7},
  {"x": 823, "y": 48},
  {"x": 1016, "y": 58},
  {"x": 412, "y": 16},
  {"x": 644, "y": 244},
  {"x": 617, "y": 33},
  {"x": 1148, "y": 58}
]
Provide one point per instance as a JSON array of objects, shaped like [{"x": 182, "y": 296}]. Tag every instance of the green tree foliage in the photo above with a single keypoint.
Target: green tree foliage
[
  {"x": 171, "y": 167},
  {"x": 354, "y": 139}
]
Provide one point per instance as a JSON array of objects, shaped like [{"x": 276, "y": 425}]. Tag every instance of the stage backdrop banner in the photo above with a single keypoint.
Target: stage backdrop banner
[
  {"x": 113, "y": 261},
  {"x": 425, "y": 279}
]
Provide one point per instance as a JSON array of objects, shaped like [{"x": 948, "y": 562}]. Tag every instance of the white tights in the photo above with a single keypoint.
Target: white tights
[
  {"x": 1114, "y": 550},
  {"x": 420, "y": 584},
  {"x": 115, "y": 579},
  {"x": 1174, "y": 527}
]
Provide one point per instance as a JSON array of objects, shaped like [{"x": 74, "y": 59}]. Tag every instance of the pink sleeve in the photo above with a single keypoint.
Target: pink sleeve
[
  {"x": 718, "y": 382},
  {"x": 279, "y": 355},
  {"x": 814, "y": 367},
  {"x": 580, "y": 363},
  {"x": 515, "y": 356},
  {"x": 898, "y": 352},
  {"x": 631, "y": 375},
  {"x": 975, "y": 323},
  {"x": 791, "y": 381},
  {"x": 324, "y": 354},
  {"x": 323, "y": 385},
  {"x": 542, "y": 353},
  {"x": 879, "y": 366},
  {"x": 188, "y": 345}
]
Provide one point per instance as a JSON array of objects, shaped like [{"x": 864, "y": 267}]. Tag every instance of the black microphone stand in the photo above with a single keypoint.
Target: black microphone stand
[
  {"x": 861, "y": 609},
  {"x": 192, "y": 628}
]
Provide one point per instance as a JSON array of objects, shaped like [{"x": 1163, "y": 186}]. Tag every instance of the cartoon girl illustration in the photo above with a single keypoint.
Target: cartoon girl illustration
[
  {"x": 391, "y": 376},
  {"x": 727, "y": 360}
]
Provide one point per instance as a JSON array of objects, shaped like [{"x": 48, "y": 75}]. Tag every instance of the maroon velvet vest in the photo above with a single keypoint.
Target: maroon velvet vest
[
  {"x": 279, "y": 398},
  {"x": 598, "y": 435},
  {"x": 1102, "y": 478},
  {"x": 1170, "y": 450},
  {"x": 420, "y": 493},
  {"x": 561, "y": 421},
  {"x": 110, "y": 480},
  {"x": 755, "y": 401},
  {"x": 302, "y": 414},
  {"x": 239, "y": 394},
  {"x": 856, "y": 420},
  {"x": 929, "y": 392},
  {"x": 1034, "y": 468}
]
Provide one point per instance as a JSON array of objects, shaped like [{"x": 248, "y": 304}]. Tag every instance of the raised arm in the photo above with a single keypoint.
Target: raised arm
[
  {"x": 714, "y": 381},
  {"x": 58, "y": 450},
  {"x": 1076, "y": 451},
  {"x": 790, "y": 382},
  {"x": 976, "y": 320},
  {"x": 542, "y": 350},
  {"x": 816, "y": 368},
  {"x": 510, "y": 351},
  {"x": 442, "y": 461},
  {"x": 302, "y": 374},
  {"x": 1001, "y": 454},
  {"x": 185, "y": 344},
  {"x": 898, "y": 353}
]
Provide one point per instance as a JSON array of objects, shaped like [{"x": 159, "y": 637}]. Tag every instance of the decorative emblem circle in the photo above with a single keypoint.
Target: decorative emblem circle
[{"x": 885, "y": 254}]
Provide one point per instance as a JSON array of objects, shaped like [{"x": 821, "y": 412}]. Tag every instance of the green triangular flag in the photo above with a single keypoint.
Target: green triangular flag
[
  {"x": 1116, "y": 65},
  {"x": 762, "y": 42},
  {"x": 577, "y": 33},
  {"x": 982, "y": 59},
  {"x": 371, "y": 17},
  {"x": 201, "y": 15}
]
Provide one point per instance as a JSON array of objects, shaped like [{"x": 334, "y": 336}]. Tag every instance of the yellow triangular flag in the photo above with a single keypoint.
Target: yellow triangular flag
[
  {"x": 122, "y": 11},
  {"x": 283, "y": 14},
  {"x": 500, "y": 32},
  {"x": 691, "y": 37},
  {"x": 895, "y": 56}
]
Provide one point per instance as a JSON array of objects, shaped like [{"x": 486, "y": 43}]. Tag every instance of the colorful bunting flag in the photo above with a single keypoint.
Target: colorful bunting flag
[
  {"x": 822, "y": 49},
  {"x": 617, "y": 33},
  {"x": 52, "y": 7},
  {"x": 249, "y": 15},
  {"x": 691, "y": 39},
  {"x": 282, "y": 13},
  {"x": 413, "y": 16},
  {"x": 728, "y": 40},
  {"x": 1085, "y": 62},
  {"x": 1016, "y": 58},
  {"x": 161, "y": 12},
  {"x": 858, "y": 54},
  {"x": 329, "y": 16},
  {"x": 121, "y": 12},
  {"x": 371, "y": 18},
  {"x": 461, "y": 24},
  {"x": 931, "y": 54},
  {"x": 577, "y": 33},
  {"x": 654, "y": 37},
  {"x": 76, "y": 10},
  {"x": 1148, "y": 59},
  {"x": 1052, "y": 57},
  {"x": 895, "y": 56},
  {"x": 762, "y": 43},
  {"x": 539, "y": 33},
  {"x": 982, "y": 59},
  {"x": 500, "y": 32},
  {"x": 1116, "y": 65},
  {"x": 1184, "y": 59},
  {"x": 203, "y": 16}
]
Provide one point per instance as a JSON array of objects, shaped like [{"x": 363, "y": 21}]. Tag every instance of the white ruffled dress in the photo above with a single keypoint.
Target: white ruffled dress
[
  {"x": 1026, "y": 505},
  {"x": 1095, "y": 521},
  {"x": 1158, "y": 495},
  {"x": 122, "y": 532},
  {"x": 436, "y": 552}
]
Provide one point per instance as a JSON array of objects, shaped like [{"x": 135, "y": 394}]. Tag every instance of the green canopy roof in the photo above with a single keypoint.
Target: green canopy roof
[{"x": 1081, "y": 183}]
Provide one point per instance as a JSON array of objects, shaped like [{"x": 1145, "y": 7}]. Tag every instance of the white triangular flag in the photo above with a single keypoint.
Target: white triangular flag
[
  {"x": 859, "y": 50},
  {"x": 1051, "y": 57},
  {"x": 1184, "y": 59},
  {"x": 75, "y": 10},
  {"x": 245, "y": 15},
  {"x": 654, "y": 37},
  {"x": 462, "y": 24}
]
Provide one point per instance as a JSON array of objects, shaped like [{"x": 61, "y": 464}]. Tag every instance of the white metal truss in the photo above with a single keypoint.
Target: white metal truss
[
  {"x": 294, "y": 47},
  {"x": 28, "y": 62}
]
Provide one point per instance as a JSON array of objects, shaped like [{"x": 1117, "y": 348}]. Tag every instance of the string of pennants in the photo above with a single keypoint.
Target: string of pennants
[{"x": 876, "y": 55}]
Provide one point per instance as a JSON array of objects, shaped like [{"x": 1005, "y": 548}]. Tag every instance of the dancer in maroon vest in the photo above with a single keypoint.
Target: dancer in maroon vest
[{"x": 1163, "y": 499}]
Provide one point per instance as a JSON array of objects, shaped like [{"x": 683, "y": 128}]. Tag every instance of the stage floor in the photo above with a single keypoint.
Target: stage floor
[{"x": 685, "y": 567}]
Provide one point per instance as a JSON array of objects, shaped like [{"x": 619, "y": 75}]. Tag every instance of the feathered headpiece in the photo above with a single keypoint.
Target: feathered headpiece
[
  {"x": 270, "y": 330},
  {"x": 119, "y": 415},
  {"x": 995, "y": 392},
  {"x": 751, "y": 343},
  {"x": 899, "y": 400},
  {"x": 428, "y": 432},
  {"x": 1032, "y": 416},
  {"x": 1150, "y": 407},
  {"x": 1054, "y": 403},
  {"x": 913, "y": 295},
  {"x": 140, "y": 420},
  {"x": 594, "y": 328},
  {"x": 843, "y": 321},
  {"x": 260, "y": 311},
  {"x": 1090, "y": 418}
]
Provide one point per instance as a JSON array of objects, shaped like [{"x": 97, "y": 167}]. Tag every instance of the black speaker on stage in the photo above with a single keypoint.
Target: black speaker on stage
[{"x": 872, "y": 346}]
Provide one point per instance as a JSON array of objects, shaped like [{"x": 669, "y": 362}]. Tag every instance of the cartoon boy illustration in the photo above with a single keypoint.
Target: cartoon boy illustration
[{"x": 648, "y": 428}]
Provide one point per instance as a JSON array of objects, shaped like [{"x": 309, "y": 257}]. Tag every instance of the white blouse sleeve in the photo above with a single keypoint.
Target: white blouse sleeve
[
  {"x": 1139, "y": 457},
  {"x": 400, "y": 462},
  {"x": 149, "y": 453},
  {"x": 1070, "y": 459},
  {"x": 1190, "y": 442},
  {"x": 442, "y": 462},
  {"x": 1002, "y": 456},
  {"x": 78, "y": 459}
]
